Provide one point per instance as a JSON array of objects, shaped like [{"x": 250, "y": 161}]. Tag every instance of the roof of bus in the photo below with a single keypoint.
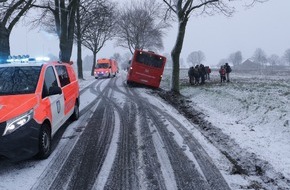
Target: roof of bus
[{"x": 149, "y": 52}]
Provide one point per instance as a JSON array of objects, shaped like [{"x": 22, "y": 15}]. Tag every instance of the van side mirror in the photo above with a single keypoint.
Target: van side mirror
[{"x": 54, "y": 90}]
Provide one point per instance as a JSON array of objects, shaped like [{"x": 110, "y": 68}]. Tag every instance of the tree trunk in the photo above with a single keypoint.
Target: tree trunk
[
  {"x": 67, "y": 26},
  {"x": 4, "y": 43},
  {"x": 175, "y": 55},
  {"x": 79, "y": 45},
  {"x": 65, "y": 50},
  {"x": 94, "y": 63},
  {"x": 79, "y": 61}
]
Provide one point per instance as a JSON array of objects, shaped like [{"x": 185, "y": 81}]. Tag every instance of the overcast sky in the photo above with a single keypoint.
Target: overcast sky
[{"x": 265, "y": 26}]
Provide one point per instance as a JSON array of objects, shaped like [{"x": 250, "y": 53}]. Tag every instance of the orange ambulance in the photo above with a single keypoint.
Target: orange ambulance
[
  {"x": 36, "y": 98},
  {"x": 106, "y": 68}
]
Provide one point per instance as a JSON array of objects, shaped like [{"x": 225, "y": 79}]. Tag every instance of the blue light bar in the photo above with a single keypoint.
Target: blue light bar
[
  {"x": 25, "y": 59},
  {"x": 42, "y": 58}
]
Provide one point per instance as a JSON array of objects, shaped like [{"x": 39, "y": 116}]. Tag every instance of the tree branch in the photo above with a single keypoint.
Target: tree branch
[
  {"x": 11, "y": 10},
  {"x": 203, "y": 4},
  {"x": 19, "y": 15},
  {"x": 170, "y": 6}
]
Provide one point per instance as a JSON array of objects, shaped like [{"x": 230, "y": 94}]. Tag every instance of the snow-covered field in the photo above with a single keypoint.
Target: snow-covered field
[{"x": 253, "y": 109}]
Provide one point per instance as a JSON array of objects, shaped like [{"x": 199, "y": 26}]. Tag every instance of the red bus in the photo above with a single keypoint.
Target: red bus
[{"x": 146, "y": 68}]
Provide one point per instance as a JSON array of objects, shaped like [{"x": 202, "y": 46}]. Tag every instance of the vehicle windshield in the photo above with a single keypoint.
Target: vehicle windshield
[
  {"x": 102, "y": 65},
  {"x": 149, "y": 59},
  {"x": 18, "y": 80}
]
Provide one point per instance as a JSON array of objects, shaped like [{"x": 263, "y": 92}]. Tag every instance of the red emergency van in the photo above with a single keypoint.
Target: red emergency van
[
  {"x": 36, "y": 98},
  {"x": 106, "y": 68}
]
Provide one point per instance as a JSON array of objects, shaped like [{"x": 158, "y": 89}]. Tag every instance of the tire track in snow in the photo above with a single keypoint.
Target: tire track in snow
[
  {"x": 62, "y": 176},
  {"x": 62, "y": 153},
  {"x": 210, "y": 177},
  {"x": 186, "y": 174},
  {"x": 124, "y": 172},
  {"x": 136, "y": 165},
  {"x": 99, "y": 144},
  {"x": 206, "y": 165},
  {"x": 185, "y": 178},
  {"x": 109, "y": 160}
]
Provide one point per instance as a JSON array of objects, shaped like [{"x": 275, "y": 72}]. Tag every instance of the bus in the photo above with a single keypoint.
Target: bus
[
  {"x": 146, "y": 68},
  {"x": 106, "y": 68}
]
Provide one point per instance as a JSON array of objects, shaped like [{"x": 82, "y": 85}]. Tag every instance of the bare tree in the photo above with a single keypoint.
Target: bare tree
[
  {"x": 287, "y": 56},
  {"x": 58, "y": 16},
  {"x": 196, "y": 58},
  {"x": 236, "y": 58},
  {"x": 99, "y": 27},
  {"x": 274, "y": 60},
  {"x": 84, "y": 17},
  {"x": 183, "y": 9},
  {"x": 10, "y": 13},
  {"x": 260, "y": 56},
  {"x": 141, "y": 26}
]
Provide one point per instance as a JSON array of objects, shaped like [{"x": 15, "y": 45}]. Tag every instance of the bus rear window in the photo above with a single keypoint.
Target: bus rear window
[{"x": 150, "y": 60}]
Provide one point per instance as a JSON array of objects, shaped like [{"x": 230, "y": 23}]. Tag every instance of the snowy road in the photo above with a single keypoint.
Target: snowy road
[{"x": 124, "y": 139}]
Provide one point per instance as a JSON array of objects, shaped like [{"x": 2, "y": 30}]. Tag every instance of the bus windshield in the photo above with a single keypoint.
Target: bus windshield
[
  {"x": 102, "y": 66},
  {"x": 149, "y": 59},
  {"x": 18, "y": 80}
]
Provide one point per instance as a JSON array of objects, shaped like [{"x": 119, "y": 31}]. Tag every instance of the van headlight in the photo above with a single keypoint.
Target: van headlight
[{"x": 17, "y": 122}]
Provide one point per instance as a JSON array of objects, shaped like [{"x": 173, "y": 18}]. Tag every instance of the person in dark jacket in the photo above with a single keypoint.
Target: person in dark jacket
[
  {"x": 202, "y": 73},
  {"x": 228, "y": 70},
  {"x": 196, "y": 74},
  {"x": 191, "y": 75}
]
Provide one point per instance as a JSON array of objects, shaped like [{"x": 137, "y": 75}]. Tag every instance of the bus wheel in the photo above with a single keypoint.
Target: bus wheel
[{"x": 44, "y": 142}]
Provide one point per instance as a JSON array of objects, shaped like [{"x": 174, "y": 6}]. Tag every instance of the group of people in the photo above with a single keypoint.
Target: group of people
[
  {"x": 198, "y": 74},
  {"x": 225, "y": 72}
]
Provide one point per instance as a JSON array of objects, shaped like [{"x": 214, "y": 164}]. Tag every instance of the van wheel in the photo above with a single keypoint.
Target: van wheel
[
  {"x": 76, "y": 114},
  {"x": 44, "y": 142}
]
